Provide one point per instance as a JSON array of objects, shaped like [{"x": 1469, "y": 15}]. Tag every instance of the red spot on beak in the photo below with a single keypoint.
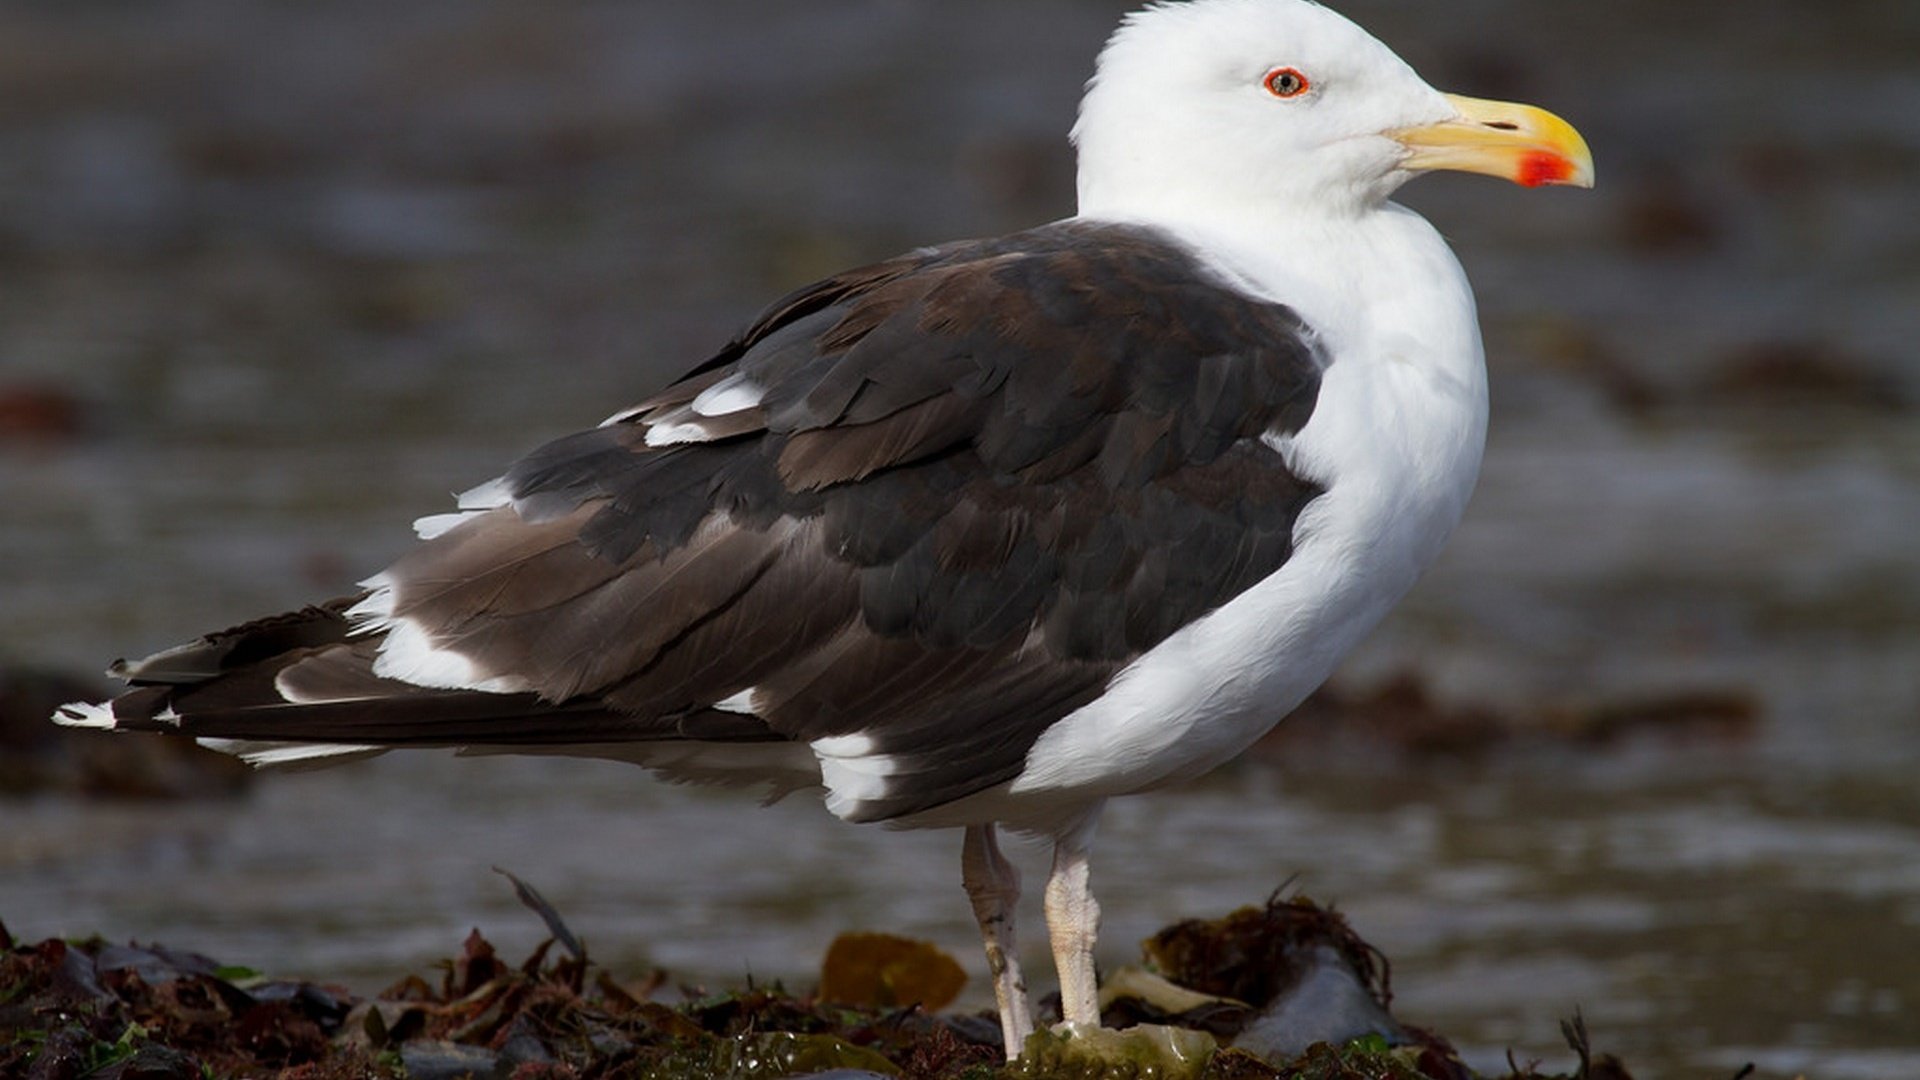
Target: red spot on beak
[{"x": 1539, "y": 167}]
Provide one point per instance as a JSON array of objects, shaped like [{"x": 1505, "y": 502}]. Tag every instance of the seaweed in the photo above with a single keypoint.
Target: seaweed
[{"x": 93, "y": 1010}]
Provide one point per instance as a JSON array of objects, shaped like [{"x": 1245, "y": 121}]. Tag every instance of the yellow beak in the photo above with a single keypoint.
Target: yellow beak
[{"x": 1518, "y": 142}]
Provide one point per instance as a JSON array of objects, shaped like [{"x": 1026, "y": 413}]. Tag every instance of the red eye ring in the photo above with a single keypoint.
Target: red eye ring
[{"x": 1286, "y": 82}]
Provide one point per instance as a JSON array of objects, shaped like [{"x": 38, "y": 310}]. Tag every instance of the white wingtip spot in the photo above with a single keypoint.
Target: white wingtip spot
[
  {"x": 262, "y": 755},
  {"x": 491, "y": 495},
  {"x": 375, "y": 613},
  {"x": 84, "y": 714},
  {"x": 293, "y": 695},
  {"x": 435, "y": 526},
  {"x": 674, "y": 434},
  {"x": 733, "y": 394},
  {"x": 858, "y": 744},
  {"x": 853, "y": 772},
  {"x": 410, "y": 656},
  {"x": 741, "y": 702},
  {"x": 624, "y": 415}
]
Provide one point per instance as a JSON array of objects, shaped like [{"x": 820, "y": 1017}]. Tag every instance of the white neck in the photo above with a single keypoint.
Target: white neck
[
  {"x": 1406, "y": 397},
  {"x": 1378, "y": 281}
]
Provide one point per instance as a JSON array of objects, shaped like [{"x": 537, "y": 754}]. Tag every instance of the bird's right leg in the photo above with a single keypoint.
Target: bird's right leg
[{"x": 993, "y": 885}]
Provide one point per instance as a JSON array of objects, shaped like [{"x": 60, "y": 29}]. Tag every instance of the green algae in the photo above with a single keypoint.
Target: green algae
[{"x": 1145, "y": 1052}]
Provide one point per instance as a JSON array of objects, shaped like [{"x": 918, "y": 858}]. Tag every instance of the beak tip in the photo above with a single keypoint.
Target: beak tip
[
  {"x": 1540, "y": 168},
  {"x": 1522, "y": 143}
]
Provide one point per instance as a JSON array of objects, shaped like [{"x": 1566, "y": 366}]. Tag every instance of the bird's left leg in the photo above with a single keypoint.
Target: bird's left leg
[
  {"x": 1073, "y": 923},
  {"x": 993, "y": 885}
]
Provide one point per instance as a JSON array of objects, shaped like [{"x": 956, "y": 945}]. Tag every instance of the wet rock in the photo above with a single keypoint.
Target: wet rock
[
  {"x": 327, "y": 1005},
  {"x": 75, "y": 977},
  {"x": 153, "y": 965}
]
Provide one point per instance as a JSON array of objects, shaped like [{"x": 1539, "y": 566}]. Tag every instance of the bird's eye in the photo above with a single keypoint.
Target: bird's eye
[{"x": 1286, "y": 82}]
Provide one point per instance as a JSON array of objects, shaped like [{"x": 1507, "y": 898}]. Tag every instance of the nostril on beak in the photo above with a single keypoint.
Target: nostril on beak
[{"x": 1503, "y": 125}]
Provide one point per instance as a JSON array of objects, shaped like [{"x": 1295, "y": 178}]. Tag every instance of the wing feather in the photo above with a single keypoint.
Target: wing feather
[{"x": 935, "y": 503}]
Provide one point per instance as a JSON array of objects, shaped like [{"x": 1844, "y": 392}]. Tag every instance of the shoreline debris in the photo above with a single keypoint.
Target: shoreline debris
[{"x": 1284, "y": 991}]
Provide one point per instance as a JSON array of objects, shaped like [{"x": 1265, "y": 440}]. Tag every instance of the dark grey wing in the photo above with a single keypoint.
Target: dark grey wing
[{"x": 936, "y": 503}]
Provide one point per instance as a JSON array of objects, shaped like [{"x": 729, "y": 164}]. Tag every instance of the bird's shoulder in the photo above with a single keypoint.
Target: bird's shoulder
[{"x": 1064, "y": 324}]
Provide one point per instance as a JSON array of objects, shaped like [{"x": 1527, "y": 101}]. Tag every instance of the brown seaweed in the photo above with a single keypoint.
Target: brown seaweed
[{"x": 91, "y": 1009}]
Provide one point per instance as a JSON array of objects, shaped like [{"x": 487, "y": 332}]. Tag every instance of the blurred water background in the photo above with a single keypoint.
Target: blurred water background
[{"x": 276, "y": 278}]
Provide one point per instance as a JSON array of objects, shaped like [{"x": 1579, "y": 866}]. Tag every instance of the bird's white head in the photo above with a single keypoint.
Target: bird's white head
[{"x": 1264, "y": 105}]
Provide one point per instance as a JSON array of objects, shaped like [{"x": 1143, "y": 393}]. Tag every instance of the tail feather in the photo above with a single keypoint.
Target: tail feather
[
  {"x": 299, "y": 689},
  {"x": 235, "y": 649},
  {"x": 291, "y": 756}
]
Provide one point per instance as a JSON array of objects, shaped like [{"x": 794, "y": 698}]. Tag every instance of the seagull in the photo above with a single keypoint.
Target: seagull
[{"x": 986, "y": 534}]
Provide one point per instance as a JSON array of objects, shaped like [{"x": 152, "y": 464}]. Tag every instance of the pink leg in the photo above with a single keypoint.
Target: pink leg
[
  {"x": 994, "y": 887},
  {"x": 1073, "y": 923}
]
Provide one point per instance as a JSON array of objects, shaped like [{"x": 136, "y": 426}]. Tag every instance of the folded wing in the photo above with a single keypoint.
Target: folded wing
[{"x": 920, "y": 510}]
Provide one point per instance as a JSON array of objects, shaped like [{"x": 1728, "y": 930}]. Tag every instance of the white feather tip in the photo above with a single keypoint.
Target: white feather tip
[{"x": 81, "y": 714}]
